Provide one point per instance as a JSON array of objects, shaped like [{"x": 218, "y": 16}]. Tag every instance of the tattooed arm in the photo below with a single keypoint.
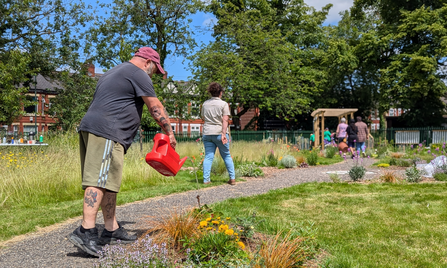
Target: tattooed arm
[{"x": 160, "y": 116}]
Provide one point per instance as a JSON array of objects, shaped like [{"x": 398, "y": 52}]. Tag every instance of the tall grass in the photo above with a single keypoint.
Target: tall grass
[{"x": 45, "y": 181}]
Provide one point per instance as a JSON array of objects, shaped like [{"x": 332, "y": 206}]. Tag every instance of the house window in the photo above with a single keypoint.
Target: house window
[
  {"x": 399, "y": 112},
  {"x": 173, "y": 127},
  {"x": 195, "y": 130},
  {"x": 32, "y": 108},
  {"x": 373, "y": 114},
  {"x": 391, "y": 112}
]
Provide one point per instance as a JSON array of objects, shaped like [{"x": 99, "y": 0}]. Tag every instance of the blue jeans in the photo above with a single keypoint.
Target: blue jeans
[
  {"x": 211, "y": 142},
  {"x": 359, "y": 146}
]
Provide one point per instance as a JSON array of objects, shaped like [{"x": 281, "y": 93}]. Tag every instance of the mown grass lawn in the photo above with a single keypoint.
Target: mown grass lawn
[{"x": 375, "y": 225}]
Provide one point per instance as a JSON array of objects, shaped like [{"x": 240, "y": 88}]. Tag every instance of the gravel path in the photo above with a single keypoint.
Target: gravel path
[{"x": 50, "y": 248}]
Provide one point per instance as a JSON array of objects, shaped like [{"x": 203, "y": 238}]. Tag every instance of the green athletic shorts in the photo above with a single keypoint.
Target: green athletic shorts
[{"x": 101, "y": 162}]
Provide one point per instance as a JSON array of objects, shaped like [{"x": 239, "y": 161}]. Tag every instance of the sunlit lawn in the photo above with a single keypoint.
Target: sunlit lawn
[{"x": 376, "y": 225}]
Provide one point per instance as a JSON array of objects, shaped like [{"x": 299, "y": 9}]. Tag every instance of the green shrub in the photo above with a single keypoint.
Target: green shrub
[
  {"x": 330, "y": 151},
  {"x": 440, "y": 176},
  {"x": 393, "y": 162},
  {"x": 272, "y": 160},
  {"x": 249, "y": 170},
  {"x": 312, "y": 159},
  {"x": 413, "y": 174},
  {"x": 334, "y": 177},
  {"x": 357, "y": 172},
  {"x": 288, "y": 161},
  {"x": 402, "y": 163}
]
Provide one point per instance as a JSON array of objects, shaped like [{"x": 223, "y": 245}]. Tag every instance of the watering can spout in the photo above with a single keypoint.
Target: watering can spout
[{"x": 182, "y": 161}]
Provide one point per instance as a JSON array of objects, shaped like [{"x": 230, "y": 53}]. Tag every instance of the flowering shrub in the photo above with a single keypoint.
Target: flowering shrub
[
  {"x": 218, "y": 240},
  {"x": 357, "y": 171},
  {"x": 149, "y": 255},
  {"x": 383, "y": 165}
]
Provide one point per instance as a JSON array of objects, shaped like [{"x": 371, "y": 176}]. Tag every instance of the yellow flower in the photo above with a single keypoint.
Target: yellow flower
[
  {"x": 236, "y": 234},
  {"x": 209, "y": 228},
  {"x": 223, "y": 227},
  {"x": 208, "y": 219},
  {"x": 228, "y": 218},
  {"x": 215, "y": 222},
  {"x": 229, "y": 232},
  {"x": 218, "y": 218},
  {"x": 203, "y": 223},
  {"x": 280, "y": 158},
  {"x": 242, "y": 245}
]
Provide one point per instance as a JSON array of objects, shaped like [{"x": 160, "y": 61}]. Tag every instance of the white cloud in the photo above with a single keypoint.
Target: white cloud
[
  {"x": 337, "y": 7},
  {"x": 209, "y": 21}
]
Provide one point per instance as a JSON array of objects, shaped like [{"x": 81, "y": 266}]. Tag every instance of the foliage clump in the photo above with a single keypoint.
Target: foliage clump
[
  {"x": 357, "y": 172},
  {"x": 413, "y": 174},
  {"x": 249, "y": 170},
  {"x": 330, "y": 151},
  {"x": 288, "y": 161},
  {"x": 312, "y": 158}
]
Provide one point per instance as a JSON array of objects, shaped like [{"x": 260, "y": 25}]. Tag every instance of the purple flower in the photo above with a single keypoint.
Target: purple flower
[
  {"x": 355, "y": 140},
  {"x": 412, "y": 146},
  {"x": 420, "y": 144},
  {"x": 437, "y": 149},
  {"x": 368, "y": 156},
  {"x": 428, "y": 151}
]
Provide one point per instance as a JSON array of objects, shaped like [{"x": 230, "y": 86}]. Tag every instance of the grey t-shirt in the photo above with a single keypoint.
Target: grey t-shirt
[
  {"x": 117, "y": 106},
  {"x": 212, "y": 112}
]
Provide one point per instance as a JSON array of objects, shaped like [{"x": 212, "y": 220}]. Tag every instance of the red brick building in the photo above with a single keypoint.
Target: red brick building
[{"x": 36, "y": 118}]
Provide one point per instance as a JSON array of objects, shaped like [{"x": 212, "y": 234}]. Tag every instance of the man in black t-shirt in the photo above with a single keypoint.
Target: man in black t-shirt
[{"x": 106, "y": 132}]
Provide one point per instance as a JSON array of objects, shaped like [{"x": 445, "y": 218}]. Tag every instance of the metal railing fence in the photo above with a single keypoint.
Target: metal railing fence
[
  {"x": 396, "y": 136},
  {"x": 298, "y": 137}
]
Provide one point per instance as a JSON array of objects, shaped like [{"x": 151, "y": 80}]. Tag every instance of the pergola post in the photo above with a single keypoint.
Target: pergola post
[
  {"x": 322, "y": 130},
  {"x": 316, "y": 124}
]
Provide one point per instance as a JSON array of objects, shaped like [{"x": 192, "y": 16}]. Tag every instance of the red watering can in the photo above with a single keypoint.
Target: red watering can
[{"x": 163, "y": 158}]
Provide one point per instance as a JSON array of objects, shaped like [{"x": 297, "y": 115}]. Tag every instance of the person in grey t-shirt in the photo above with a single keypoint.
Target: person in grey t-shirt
[
  {"x": 106, "y": 132},
  {"x": 215, "y": 112}
]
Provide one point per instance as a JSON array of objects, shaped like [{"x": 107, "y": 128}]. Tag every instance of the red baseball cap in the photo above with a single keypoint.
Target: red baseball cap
[{"x": 150, "y": 54}]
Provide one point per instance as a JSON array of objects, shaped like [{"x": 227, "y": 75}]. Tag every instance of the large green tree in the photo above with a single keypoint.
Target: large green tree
[
  {"x": 261, "y": 63},
  {"x": 36, "y": 36},
  {"x": 161, "y": 24},
  {"x": 408, "y": 49},
  {"x": 72, "y": 102}
]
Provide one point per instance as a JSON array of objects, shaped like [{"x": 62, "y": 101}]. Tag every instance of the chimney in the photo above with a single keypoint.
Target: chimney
[{"x": 91, "y": 69}]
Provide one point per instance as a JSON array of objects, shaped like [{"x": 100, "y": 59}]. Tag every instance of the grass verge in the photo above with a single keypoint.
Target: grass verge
[{"x": 375, "y": 225}]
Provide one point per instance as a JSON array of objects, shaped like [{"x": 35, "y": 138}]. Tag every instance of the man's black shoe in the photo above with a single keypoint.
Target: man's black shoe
[
  {"x": 87, "y": 241},
  {"x": 113, "y": 237}
]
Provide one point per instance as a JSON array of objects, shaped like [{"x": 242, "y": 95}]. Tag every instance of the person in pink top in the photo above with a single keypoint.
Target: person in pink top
[{"x": 341, "y": 130}]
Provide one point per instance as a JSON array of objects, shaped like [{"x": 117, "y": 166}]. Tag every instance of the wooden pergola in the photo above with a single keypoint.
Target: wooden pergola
[{"x": 328, "y": 112}]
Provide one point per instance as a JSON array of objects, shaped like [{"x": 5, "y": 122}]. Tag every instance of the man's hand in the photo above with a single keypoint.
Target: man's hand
[
  {"x": 172, "y": 140},
  {"x": 224, "y": 139}
]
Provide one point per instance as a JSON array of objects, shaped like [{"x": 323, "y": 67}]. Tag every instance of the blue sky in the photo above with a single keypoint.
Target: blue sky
[{"x": 178, "y": 66}]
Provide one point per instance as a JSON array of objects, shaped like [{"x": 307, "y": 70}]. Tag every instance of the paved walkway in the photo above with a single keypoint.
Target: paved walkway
[{"x": 50, "y": 248}]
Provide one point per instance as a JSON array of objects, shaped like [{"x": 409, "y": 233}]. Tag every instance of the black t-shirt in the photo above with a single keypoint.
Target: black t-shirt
[
  {"x": 352, "y": 133},
  {"x": 117, "y": 106}
]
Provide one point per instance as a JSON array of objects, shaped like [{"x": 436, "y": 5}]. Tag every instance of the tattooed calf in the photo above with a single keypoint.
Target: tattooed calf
[{"x": 90, "y": 198}]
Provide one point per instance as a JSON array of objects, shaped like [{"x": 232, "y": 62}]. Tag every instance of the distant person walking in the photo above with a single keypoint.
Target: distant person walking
[
  {"x": 215, "y": 112},
  {"x": 341, "y": 130},
  {"x": 106, "y": 132},
  {"x": 362, "y": 136},
  {"x": 352, "y": 136}
]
